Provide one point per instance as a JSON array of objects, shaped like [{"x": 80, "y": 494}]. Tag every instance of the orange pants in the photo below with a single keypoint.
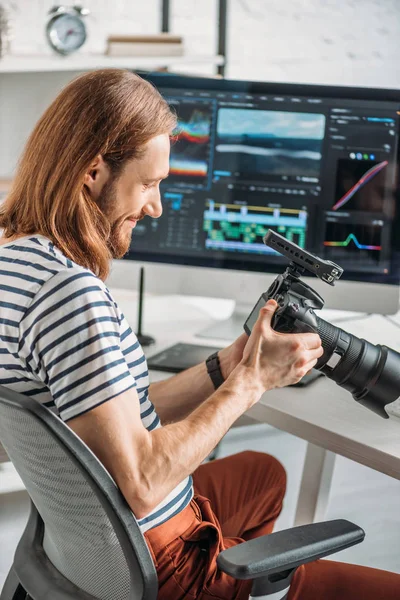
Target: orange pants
[{"x": 239, "y": 498}]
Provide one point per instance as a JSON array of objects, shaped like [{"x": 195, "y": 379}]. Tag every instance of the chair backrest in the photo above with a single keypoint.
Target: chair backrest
[{"x": 90, "y": 534}]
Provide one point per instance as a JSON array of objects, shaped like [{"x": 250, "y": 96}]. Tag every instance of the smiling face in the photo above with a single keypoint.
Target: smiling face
[{"x": 133, "y": 194}]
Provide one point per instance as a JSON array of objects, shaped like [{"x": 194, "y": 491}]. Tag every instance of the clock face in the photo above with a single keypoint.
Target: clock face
[{"x": 66, "y": 33}]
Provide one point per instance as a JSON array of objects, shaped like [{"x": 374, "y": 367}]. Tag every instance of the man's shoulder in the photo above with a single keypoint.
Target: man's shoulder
[
  {"x": 72, "y": 286},
  {"x": 34, "y": 270},
  {"x": 26, "y": 265}
]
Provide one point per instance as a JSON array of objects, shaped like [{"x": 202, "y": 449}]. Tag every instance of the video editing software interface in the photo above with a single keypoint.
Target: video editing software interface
[{"x": 321, "y": 171}]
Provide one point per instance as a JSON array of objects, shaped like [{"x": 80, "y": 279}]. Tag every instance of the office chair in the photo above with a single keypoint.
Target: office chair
[{"x": 82, "y": 542}]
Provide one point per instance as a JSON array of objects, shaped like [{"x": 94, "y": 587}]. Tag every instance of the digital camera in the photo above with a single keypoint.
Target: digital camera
[{"x": 371, "y": 373}]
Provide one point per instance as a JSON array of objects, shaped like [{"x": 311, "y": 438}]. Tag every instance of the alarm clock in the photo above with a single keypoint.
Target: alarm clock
[{"x": 66, "y": 30}]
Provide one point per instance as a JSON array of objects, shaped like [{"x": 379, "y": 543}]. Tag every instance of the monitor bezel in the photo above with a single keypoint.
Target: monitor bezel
[{"x": 171, "y": 81}]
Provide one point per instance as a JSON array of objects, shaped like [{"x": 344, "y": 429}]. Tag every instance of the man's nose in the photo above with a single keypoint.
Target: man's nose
[{"x": 154, "y": 208}]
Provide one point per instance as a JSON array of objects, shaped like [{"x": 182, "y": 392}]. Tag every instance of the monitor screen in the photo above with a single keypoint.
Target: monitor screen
[{"x": 317, "y": 164}]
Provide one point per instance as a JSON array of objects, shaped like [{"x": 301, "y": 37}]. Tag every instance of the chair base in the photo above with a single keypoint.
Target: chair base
[{"x": 12, "y": 589}]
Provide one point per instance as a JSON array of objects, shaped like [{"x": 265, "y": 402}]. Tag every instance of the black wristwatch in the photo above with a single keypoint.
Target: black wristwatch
[{"x": 214, "y": 370}]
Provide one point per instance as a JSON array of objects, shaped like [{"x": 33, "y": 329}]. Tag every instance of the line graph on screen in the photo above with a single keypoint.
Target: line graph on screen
[{"x": 366, "y": 177}]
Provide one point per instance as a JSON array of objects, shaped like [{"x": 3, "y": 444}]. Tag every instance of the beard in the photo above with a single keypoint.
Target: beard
[
  {"x": 120, "y": 237},
  {"x": 120, "y": 240}
]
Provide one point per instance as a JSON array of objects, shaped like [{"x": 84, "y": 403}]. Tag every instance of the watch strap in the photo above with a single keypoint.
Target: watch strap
[{"x": 214, "y": 370}]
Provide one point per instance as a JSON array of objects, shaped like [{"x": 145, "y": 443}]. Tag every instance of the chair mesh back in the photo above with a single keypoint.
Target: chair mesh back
[{"x": 79, "y": 538}]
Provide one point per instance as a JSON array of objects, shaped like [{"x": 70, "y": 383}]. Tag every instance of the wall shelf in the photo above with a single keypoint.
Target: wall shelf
[{"x": 85, "y": 62}]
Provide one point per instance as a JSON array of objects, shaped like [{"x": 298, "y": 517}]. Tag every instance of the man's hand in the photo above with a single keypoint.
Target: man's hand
[
  {"x": 231, "y": 356},
  {"x": 273, "y": 359}
]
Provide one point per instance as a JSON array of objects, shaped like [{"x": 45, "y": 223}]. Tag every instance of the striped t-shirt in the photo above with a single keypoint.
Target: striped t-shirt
[{"x": 65, "y": 343}]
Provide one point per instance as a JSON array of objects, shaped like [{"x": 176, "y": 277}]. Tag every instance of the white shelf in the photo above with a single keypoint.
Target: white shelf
[{"x": 85, "y": 62}]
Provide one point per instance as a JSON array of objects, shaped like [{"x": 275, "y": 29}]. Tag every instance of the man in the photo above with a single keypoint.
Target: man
[{"x": 91, "y": 169}]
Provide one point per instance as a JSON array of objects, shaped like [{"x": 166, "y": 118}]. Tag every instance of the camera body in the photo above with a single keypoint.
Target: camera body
[
  {"x": 371, "y": 373},
  {"x": 297, "y": 300}
]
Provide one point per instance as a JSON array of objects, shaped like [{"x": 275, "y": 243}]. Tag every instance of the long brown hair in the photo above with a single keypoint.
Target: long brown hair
[{"x": 110, "y": 112}]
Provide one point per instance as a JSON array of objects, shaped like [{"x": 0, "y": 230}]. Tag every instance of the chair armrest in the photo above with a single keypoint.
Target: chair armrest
[{"x": 288, "y": 549}]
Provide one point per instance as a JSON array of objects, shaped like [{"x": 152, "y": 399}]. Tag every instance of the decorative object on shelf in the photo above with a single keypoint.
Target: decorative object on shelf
[
  {"x": 6, "y": 33},
  {"x": 162, "y": 44},
  {"x": 66, "y": 30}
]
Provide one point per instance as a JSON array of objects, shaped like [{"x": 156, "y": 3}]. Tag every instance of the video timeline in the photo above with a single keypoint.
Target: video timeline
[{"x": 241, "y": 228}]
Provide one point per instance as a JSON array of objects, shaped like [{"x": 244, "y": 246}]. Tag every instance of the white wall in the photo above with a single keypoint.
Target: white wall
[{"x": 337, "y": 41}]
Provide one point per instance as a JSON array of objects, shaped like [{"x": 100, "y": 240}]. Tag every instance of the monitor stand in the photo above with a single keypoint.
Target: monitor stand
[{"x": 228, "y": 329}]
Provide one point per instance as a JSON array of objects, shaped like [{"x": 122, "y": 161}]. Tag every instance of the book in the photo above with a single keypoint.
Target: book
[
  {"x": 158, "y": 38},
  {"x": 163, "y": 44},
  {"x": 137, "y": 49}
]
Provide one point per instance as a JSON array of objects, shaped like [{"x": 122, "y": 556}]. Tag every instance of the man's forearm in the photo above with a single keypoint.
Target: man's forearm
[
  {"x": 176, "y": 397},
  {"x": 176, "y": 450}
]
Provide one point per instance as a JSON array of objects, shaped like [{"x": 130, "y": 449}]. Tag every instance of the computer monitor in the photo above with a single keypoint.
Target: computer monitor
[{"x": 318, "y": 164}]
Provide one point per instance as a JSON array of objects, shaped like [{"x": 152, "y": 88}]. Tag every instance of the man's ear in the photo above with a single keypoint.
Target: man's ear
[{"x": 96, "y": 176}]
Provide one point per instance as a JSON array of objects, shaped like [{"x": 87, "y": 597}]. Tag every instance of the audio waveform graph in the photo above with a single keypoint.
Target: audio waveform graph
[
  {"x": 352, "y": 237},
  {"x": 354, "y": 243}
]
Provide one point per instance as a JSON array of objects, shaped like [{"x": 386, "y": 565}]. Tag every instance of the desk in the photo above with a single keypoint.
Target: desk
[{"x": 323, "y": 414}]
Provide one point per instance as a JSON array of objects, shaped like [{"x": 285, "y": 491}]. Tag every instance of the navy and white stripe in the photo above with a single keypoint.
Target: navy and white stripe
[{"x": 65, "y": 342}]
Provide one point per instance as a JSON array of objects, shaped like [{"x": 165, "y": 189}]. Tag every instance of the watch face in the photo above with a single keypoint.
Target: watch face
[{"x": 66, "y": 33}]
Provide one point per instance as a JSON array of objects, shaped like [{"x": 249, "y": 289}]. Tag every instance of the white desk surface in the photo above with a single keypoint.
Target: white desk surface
[{"x": 322, "y": 413}]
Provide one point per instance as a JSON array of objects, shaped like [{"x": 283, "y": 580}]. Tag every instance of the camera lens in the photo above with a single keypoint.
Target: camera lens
[{"x": 370, "y": 373}]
